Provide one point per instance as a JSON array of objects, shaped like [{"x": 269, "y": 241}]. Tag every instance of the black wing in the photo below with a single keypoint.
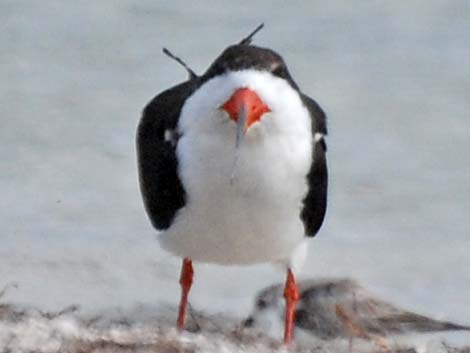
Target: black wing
[
  {"x": 157, "y": 137},
  {"x": 314, "y": 208}
]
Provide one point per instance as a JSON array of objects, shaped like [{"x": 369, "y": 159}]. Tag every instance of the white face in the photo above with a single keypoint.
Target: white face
[
  {"x": 203, "y": 112},
  {"x": 268, "y": 313}
]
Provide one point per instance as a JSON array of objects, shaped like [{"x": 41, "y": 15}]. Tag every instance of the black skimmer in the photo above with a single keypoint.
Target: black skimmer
[
  {"x": 232, "y": 167},
  {"x": 341, "y": 308}
]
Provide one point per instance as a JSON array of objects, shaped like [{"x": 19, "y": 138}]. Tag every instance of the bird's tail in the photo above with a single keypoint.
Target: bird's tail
[{"x": 410, "y": 322}]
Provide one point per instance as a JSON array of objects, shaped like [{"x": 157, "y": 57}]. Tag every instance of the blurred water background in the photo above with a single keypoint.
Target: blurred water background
[{"x": 393, "y": 78}]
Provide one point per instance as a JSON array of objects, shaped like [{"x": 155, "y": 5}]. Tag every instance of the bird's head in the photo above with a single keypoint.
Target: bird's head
[
  {"x": 246, "y": 91},
  {"x": 259, "y": 66},
  {"x": 268, "y": 312},
  {"x": 246, "y": 102}
]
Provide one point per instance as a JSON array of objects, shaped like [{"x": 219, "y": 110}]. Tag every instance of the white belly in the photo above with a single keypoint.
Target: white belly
[
  {"x": 244, "y": 215},
  {"x": 253, "y": 216}
]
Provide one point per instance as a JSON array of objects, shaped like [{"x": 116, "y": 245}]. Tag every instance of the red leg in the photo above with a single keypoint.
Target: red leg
[
  {"x": 291, "y": 295},
  {"x": 186, "y": 280}
]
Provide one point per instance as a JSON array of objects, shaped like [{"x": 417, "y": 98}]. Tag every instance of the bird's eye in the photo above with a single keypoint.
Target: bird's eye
[
  {"x": 262, "y": 304},
  {"x": 278, "y": 70},
  {"x": 248, "y": 322}
]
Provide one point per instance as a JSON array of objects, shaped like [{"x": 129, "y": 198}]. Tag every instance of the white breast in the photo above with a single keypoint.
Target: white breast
[{"x": 250, "y": 214}]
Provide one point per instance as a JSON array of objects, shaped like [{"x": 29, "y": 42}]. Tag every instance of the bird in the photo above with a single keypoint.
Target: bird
[
  {"x": 341, "y": 308},
  {"x": 232, "y": 167}
]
